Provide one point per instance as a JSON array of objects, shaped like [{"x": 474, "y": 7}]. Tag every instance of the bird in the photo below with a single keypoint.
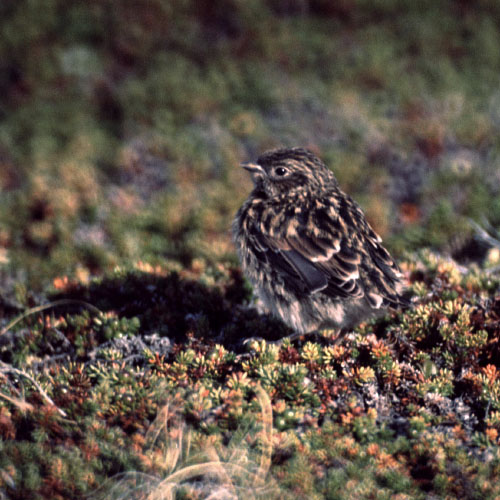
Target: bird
[{"x": 307, "y": 248}]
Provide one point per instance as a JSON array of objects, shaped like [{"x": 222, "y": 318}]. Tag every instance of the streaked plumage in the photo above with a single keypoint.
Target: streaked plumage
[{"x": 307, "y": 248}]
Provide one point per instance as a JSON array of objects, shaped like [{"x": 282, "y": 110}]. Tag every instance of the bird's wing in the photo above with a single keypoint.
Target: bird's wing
[{"x": 329, "y": 248}]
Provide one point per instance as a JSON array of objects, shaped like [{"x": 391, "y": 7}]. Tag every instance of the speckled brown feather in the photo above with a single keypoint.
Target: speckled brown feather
[{"x": 307, "y": 247}]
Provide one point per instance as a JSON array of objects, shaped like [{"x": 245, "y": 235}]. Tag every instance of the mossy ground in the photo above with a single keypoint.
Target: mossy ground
[
  {"x": 121, "y": 127},
  {"x": 405, "y": 406}
]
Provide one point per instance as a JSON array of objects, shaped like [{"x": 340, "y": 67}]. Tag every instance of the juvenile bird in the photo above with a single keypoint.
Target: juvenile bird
[{"x": 307, "y": 248}]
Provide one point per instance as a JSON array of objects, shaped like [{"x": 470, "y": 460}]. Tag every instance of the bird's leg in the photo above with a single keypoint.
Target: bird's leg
[
  {"x": 291, "y": 338},
  {"x": 334, "y": 335},
  {"x": 315, "y": 334}
]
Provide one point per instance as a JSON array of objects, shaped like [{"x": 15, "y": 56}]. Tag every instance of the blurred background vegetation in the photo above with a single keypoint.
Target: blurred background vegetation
[{"x": 122, "y": 122}]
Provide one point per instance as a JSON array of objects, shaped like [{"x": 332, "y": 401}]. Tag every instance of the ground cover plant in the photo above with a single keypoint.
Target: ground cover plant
[
  {"x": 107, "y": 402},
  {"x": 123, "y": 314}
]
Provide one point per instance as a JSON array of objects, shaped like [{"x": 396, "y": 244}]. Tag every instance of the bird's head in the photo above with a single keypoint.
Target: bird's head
[{"x": 282, "y": 172}]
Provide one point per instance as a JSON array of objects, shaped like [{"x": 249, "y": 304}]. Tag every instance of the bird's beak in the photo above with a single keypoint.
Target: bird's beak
[{"x": 254, "y": 168}]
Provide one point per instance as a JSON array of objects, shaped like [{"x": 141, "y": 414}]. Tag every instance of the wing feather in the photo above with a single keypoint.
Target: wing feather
[{"x": 329, "y": 251}]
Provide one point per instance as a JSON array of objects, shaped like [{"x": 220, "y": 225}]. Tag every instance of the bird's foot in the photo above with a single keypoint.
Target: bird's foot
[{"x": 314, "y": 335}]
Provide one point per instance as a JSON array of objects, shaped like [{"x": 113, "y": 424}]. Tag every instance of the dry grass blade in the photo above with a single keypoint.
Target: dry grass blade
[
  {"x": 23, "y": 406},
  {"x": 126, "y": 486},
  {"x": 37, "y": 309},
  {"x": 267, "y": 433},
  {"x": 210, "y": 472},
  {"x": 5, "y": 368},
  {"x": 168, "y": 486}
]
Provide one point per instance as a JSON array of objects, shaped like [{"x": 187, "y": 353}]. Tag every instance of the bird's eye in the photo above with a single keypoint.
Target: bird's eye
[{"x": 280, "y": 171}]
